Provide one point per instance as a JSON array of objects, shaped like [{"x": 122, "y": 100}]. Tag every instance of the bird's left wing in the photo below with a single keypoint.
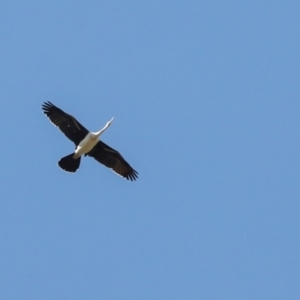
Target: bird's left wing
[
  {"x": 114, "y": 160},
  {"x": 65, "y": 122}
]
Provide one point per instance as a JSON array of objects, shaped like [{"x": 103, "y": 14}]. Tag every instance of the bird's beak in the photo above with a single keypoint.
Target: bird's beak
[{"x": 108, "y": 123}]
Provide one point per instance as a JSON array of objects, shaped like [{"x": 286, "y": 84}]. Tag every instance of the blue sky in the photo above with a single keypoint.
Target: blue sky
[{"x": 205, "y": 96}]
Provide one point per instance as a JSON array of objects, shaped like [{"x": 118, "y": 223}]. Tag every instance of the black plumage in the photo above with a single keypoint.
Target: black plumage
[{"x": 65, "y": 122}]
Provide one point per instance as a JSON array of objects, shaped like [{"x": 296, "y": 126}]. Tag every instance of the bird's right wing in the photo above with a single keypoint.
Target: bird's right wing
[
  {"x": 65, "y": 122},
  {"x": 114, "y": 160}
]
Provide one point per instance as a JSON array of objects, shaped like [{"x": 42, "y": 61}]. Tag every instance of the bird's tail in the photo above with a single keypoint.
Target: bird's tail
[{"x": 69, "y": 164}]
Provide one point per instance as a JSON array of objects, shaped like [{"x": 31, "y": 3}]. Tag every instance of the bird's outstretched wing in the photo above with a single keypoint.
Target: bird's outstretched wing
[
  {"x": 114, "y": 160},
  {"x": 65, "y": 122}
]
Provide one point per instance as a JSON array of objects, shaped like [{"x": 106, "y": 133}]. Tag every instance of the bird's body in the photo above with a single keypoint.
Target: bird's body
[
  {"x": 90, "y": 141},
  {"x": 87, "y": 143}
]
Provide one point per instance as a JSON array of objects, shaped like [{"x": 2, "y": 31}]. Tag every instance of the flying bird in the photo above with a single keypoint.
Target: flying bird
[{"x": 86, "y": 143}]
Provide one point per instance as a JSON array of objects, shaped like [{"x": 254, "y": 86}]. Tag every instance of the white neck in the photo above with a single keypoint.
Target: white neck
[{"x": 98, "y": 133}]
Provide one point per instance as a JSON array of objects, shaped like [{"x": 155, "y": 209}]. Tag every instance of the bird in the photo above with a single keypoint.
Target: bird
[{"x": 87, "y": 143}]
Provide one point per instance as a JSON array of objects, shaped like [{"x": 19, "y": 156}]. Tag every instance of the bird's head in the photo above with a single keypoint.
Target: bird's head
[{"x": 109, "y": 122}]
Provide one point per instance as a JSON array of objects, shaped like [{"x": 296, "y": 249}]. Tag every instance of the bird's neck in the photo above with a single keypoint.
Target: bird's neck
[{"x": 98, "y": 133}]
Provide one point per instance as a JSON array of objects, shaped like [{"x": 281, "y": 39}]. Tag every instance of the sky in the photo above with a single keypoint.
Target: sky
[{"x": 205, "y": 97}]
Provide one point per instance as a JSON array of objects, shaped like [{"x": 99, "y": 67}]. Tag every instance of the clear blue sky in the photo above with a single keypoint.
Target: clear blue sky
[{"x": 206, "y": 100}]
